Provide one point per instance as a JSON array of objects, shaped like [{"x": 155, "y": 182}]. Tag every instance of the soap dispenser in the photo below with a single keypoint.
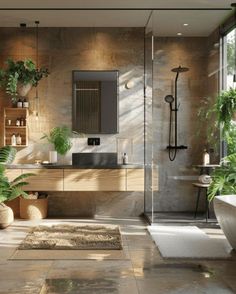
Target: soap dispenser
[{"x": 125, "y": 158}]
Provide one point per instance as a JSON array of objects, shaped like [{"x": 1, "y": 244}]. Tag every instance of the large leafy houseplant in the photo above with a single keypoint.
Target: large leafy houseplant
[
  {"x": 10, "y": 190},
  {"x": 224, "y": 178},
  {"x": 60, "y": 137},
  {"x": 21, "y": 72}
]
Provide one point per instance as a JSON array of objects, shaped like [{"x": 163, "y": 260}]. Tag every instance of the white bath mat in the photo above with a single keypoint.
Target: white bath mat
[{"x": 188, "y": 242}]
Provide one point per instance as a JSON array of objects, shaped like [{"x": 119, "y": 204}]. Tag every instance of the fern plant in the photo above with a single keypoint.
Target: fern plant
[
  {"x": 225, "y": 107},
  {"x": 7, "y": 154},
  {"x": 60, "y": 137},
  {"x": 224, "y": 178},
  {"x": 10, "y": 190}
]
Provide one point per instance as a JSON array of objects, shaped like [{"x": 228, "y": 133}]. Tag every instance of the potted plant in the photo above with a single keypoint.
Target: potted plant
[
  {"x": 223, "y": 178},
  {"x": 9, "y": 190},
  {"x": 223, "y": 191},
  {"x": 60, "y": 137},
  {"x": 20, "y": 76}
]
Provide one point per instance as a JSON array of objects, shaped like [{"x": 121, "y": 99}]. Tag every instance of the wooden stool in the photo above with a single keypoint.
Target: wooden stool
[{"x": 201, "y": 186}]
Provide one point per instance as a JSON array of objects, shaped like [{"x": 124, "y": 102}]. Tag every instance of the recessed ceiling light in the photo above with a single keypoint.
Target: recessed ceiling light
[
  {"x": 179, "y": 34},
  {"x": 185, "y": 24}
]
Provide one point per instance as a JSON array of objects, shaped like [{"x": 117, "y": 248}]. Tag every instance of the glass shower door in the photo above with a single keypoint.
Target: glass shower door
[{"x": 148, "y": 123}]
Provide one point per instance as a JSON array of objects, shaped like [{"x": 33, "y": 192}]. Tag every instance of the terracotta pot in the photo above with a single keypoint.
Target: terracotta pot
[
  {"x": 23, "y": 90},
  {"x": 6, "y": 216},
  {"x": 33, "y": 208}
]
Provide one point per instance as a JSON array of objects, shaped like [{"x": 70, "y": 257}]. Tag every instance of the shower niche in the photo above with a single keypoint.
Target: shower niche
[{"x": 95, "y": 102}]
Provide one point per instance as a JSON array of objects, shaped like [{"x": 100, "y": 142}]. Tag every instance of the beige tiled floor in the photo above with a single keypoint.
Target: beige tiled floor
[{"x": 144, "y": 272}]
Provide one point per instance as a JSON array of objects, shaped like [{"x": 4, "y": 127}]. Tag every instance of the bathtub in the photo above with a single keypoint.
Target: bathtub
[{"x": 225, "y": 210}]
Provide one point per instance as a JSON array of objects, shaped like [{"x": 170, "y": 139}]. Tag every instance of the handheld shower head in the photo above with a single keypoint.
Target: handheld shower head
[{"x": 169, "y": 99}]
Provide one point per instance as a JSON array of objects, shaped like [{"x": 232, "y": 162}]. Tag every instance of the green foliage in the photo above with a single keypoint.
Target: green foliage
[
  {"x": 24, "y": 72},
  {"x": 224, "y": 108},
  {"x": 10, "y": 190},
  {"x": 7, "y": 154},
  {"x": 230, "y": 138},
  {"x": 224, "y": 178},
  {"x": 60, "y": 137}
]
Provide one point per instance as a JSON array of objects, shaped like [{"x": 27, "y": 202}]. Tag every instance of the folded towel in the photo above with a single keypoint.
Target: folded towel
[{"x": 204, "y": 179}]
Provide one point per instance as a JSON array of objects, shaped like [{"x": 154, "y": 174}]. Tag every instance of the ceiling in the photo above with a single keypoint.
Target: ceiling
[{"x": 166, "y": 23}]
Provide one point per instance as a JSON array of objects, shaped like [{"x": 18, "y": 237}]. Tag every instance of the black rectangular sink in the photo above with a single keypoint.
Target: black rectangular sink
[{"x": 94, "y": 159}]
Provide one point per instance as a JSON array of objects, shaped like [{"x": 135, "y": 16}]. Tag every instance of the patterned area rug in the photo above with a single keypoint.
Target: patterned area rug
[{"x": 87, "y": 237}]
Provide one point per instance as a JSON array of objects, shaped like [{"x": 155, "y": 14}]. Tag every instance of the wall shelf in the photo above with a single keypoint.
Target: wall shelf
[
  {"x": 13, "y": 114},
  {"x": 15, "y": 127}
]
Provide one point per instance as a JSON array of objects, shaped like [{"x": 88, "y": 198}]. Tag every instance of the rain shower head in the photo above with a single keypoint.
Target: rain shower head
[
  {"x": 180, "y": 69},
  {"x": 169, "y": 99}
]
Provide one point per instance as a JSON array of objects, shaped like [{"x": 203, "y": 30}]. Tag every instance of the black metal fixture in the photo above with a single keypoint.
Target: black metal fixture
[
  {"x": 172, "y": 149},
  {"x": 37, "y": 65},
  {"x": 23, "y": 25},
  {"x": 233, "y": 4}
]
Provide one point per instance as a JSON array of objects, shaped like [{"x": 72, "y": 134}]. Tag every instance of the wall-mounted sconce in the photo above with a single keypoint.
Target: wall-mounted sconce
[{"x": 129, "y": 84}]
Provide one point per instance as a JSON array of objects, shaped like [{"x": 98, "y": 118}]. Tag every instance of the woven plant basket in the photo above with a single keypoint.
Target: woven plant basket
[{"x": 33, "y": 208}]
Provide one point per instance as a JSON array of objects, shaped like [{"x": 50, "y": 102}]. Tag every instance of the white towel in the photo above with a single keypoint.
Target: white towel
[{"x": 204, "y": 179}]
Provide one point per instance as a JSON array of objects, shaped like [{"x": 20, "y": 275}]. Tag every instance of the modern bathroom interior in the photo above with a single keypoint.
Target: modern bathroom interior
[
  {"x": 145, "y": 59},
  {"x": 117, "y": 204}
]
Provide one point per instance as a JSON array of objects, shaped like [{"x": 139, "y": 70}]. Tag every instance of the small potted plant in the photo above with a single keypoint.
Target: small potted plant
[
  {"x": 60, "y": 137},
  {"x": 223, "y": 178},
  {"x": 20, "y": 76},
  {"x": 9, "y": 190},
  {"x": 223, "y": 191}
]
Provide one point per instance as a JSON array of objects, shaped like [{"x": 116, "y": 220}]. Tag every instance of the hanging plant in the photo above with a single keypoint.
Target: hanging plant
[
  {"x": 20, "y": 73},
  {"x": 225, "y": 108}
]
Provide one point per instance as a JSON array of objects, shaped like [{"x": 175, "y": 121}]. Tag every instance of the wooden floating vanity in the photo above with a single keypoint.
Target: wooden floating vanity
[{"x": 81, "y": 179}]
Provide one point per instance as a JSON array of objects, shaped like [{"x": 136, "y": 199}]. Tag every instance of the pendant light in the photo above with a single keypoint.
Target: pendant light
[{"x": 37, "y": 66}]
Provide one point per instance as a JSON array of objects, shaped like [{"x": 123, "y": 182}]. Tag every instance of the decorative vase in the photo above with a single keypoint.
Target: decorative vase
[
  {"x": 53, "y": 156},
  {"x": 23, "y": 90},
  {"x": 6, "y": 216}
]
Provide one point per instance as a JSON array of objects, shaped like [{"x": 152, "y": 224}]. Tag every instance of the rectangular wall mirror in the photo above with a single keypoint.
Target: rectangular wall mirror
[{"x": 95, "y": 102}]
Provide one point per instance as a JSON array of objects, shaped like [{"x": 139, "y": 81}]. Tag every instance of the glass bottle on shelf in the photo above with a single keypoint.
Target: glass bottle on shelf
[
  {"x": 19, "y": 103},
  {"x": 25, "y": 103},
  {"x": 17, "y": 122},
  {"x": 22, "y": 121},
  {"x": 18, "y": 139},
  {"x": 13, "y": 140}
]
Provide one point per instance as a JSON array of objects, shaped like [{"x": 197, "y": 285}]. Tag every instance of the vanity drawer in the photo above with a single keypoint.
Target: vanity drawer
[
  {"x": 135, "y": 179},
  {"x": 94, "y": 180},
  {"x": 44, "y": 180}
]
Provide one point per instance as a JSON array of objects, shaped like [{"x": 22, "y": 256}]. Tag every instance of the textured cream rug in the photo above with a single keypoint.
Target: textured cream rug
[{"x": 71, "y": 237}]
